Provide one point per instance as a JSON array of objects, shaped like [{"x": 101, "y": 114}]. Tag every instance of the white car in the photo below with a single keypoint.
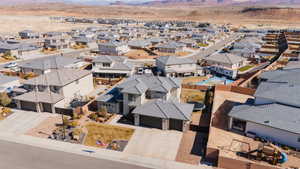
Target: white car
[{"x": 10, "y": 65}]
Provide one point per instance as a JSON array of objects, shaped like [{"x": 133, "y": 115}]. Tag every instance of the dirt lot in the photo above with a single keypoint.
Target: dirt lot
[
  {"x": 11, "y": 24},
  {"x": 269, "y": 18},
  {"x": 139, "y": 54},
  {"x": 45, "y": 128}
]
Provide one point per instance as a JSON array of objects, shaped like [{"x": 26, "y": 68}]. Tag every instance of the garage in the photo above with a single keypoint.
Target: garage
[
  {"x": 47, "y": 107},
  {"x": 175, "y": 124},
  {"x": 152, "y": 122},
  {"x": 29, "y": 106}
]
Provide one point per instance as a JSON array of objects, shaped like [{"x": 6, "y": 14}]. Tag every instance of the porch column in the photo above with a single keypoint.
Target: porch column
[
  {"x": 185, "y": 126},
  {"x": 18, "y": 102},
  {"x": 136, "y": 119},
  {"x": 38, "y": 107},
  {"x": 230, "y": 123},
  {"x": 53, "y": 108},
  {"x": 165, "y": 124}
]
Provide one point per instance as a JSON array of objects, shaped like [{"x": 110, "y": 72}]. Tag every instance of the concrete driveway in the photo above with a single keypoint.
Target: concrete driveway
[
  {"x": 22, "y": 121},
  {"x": 154, "y": 143}
]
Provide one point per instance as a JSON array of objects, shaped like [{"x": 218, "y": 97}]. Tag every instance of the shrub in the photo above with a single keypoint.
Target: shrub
[
  {"x": 93, "y": 116},
  {"x": 6, "y": 110},
  {"x": 4, "y": 99},
  {"x": 73, "y": 124}
]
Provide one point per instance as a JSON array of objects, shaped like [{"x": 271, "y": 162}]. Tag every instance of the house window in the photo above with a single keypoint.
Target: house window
[
  {"x": 131, "y": 98},
  {"x": 239, "y": 125},
  {"x": 77, "y": 81},
  {"x": 106, "y": 64},
  {"x": 298, "y": 139}
]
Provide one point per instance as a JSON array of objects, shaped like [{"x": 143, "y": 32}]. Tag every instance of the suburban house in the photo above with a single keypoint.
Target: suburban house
[
  {"x": 59, "y": 87},
  {"x": 19, "y": 49},
  {"x": 225, "y": 64},
  {"x": 172, "y": 66},
  {"x": 274, "y": 114},
  {"x": 112, "y": 67},
  {"x": 113, "y": 48},
  {"x": 29, "y": 34},
  {"x": 170, "y": 47},
  {"x": 56, "y": 43},
  {"x": 162, "y": 114},
  {"x": 46, "y": 64},
  {"x": 139, "y": 92}
]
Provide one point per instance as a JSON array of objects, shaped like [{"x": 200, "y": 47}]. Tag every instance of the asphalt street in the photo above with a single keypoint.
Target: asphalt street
[{"x": 19, "y": 156}]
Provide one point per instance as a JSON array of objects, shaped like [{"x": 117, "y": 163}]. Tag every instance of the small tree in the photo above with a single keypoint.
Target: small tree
[
  {"x": 4, "y": 99},
  {"x": 103, "y": 111}
]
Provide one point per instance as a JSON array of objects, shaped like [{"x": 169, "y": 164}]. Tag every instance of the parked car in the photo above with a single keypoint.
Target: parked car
[{"x": 10, "y": 65}]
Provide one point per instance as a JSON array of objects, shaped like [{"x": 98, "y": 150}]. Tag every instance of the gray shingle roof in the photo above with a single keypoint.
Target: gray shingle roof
[
  {"x": 139, "y": 43},
  {"x": 166, "y": 110},
  {"x": 139, "y": 84},
  {"x": 290, "y": 76},
  {"x": 112, "y": 43},
  {"x": 50, "y": 62},
  {"x": 40, "y": 97},
  {"x": 170, "y": 45},
  {"x": 225, "y": 58},
  {"x": 273, "y": 115},
  {"x": 280, "y": 93},
  {"x": 118, "y": 62},
  {"x": 60, "y": 77},
  {"x": 173, "y": 60}
]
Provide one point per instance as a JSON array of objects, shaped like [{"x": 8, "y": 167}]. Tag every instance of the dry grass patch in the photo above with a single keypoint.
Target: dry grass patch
[
  {"x": 106, "y": 133},
  {"x": 182, "y": 53},
  {"x": 193, "y": 80},
  {"x": 138, "y": 54},
  {"x": 192, "y": 95}
]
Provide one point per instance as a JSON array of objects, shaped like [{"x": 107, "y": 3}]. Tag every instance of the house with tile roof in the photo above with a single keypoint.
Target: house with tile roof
[
  {"x": 274, "y": 115},
  {"x": 112, "y": 67},
  {"x": 172, "y": 66},
  {"x": 58, "y": 87}
]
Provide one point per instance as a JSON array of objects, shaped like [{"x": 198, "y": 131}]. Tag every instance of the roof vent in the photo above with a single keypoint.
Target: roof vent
[{"x": 267, "y": 121}]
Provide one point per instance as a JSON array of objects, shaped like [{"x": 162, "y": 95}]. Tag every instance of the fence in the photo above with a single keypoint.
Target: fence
[
  {"x": 197, "y": 87},
  {"x": 236, "y": 89}
]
